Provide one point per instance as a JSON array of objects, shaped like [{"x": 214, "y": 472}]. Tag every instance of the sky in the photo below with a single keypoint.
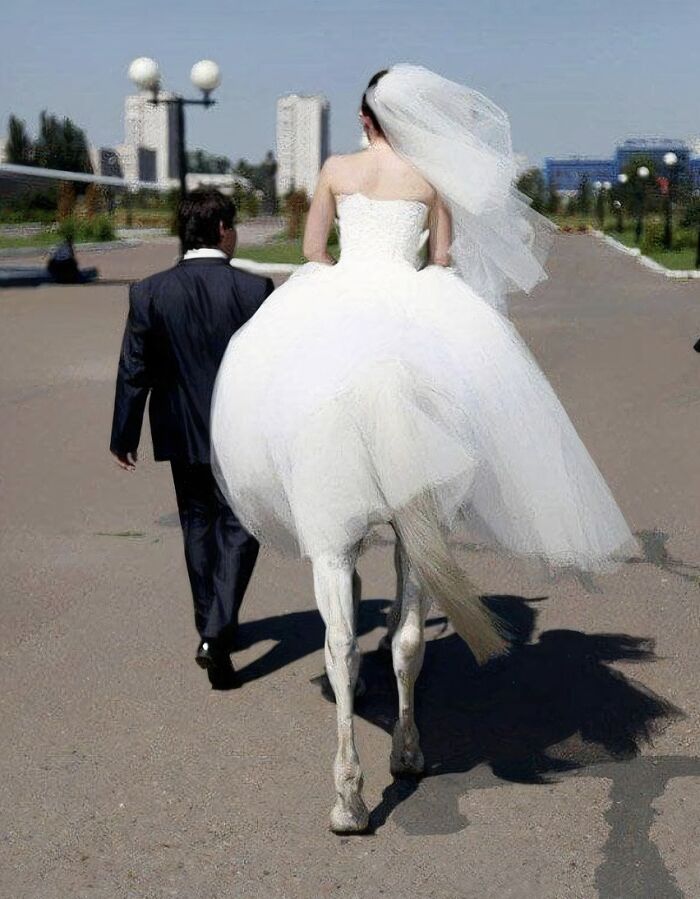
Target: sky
[{"x": 575, "y": 77}]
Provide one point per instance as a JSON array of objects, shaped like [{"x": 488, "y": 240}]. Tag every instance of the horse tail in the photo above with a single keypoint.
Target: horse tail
[{"x": 439, "y": 574}]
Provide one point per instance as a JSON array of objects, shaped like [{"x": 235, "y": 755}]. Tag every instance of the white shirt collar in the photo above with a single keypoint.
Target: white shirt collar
[{"x": 205, "y": 253}]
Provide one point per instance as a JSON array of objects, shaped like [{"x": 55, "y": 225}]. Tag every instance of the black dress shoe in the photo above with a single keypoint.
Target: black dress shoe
[{"x": 217, "y": 663}]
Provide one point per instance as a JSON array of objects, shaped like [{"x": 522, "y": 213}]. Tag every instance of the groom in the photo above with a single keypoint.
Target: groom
[{"x": 179, "y": 324}]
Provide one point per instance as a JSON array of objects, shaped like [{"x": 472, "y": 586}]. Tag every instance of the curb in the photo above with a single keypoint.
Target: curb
[{"x": 673, "y": 273}]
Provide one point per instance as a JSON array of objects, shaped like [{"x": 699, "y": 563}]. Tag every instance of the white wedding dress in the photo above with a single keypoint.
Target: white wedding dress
[{"x": 359, "y": 386}]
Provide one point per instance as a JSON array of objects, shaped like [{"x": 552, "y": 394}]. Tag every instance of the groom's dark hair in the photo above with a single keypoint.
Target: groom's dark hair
[
  {"x": 199, "y": 214},
  {"x": 365, "y": 107}
]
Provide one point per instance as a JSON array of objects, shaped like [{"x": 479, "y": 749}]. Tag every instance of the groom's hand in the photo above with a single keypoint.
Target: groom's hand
[{"x": 127, "y": 461}]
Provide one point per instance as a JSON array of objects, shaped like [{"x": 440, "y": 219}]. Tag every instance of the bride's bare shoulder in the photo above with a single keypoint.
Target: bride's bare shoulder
[{"x": 342, "y": 168}]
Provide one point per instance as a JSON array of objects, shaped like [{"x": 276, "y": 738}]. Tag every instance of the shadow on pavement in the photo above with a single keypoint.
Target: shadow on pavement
[
  {"x": 553, "y": 707},
  {"x": 297, "y": 634},
  {"x": 549, "y": 707}
]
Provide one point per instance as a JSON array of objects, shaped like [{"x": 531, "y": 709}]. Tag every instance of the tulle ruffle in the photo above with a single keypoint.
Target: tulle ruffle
[{"x": 358, "y": 387}]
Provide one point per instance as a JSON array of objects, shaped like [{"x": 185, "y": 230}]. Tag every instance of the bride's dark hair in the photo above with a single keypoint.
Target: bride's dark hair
[{"x": 365, "y": 108}]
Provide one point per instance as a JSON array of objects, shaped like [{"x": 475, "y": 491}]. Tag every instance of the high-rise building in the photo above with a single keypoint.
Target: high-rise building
[
  {"x": 303, "y": 141},
  {"x": 150, "y": 127}
]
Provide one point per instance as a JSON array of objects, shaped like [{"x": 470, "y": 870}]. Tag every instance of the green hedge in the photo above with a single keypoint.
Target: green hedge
[{"x": 96, "y": 230}]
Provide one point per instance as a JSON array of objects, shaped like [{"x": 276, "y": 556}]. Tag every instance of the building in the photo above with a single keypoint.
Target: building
[
  {"x": 303, "y": 141},
  {"x": 566, "y": 174},
  {"x": 150, "y": 149},
  {"x": 106, "y": 161},
  {"x": 652, "y": 149}
]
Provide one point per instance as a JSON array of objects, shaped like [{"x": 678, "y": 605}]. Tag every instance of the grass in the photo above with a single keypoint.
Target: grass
[
  {"x": 41, "y": 239},
  {"x": 282, "y": 251},
  {"x": 683, "y": 259}
]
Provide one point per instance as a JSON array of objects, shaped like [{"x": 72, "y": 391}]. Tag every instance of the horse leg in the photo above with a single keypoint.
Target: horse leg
[
  {"x": 394, "y": 614},
  {"x": 333, "y": 584},
  {"x": 408, "y": 649}
]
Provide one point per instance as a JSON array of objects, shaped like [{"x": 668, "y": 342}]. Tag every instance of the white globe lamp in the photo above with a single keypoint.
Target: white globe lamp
[
  {"x": 206, "y": 75},
  {"x": 145, "y": 74},
  {"x": 670, "y": 158},
  {"x": 643, "y": 172},
  {"x": 622, "y": 178}
]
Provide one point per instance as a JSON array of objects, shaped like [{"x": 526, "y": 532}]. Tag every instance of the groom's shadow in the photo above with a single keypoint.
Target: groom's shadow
[{"x": 296, "y": 634}]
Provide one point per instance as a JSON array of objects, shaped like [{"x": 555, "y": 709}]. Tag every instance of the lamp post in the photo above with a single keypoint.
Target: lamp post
[
  {"x": 622, "y": 179},
  {"x": 642, "y": 175},
  {"x": 670, "y": 161},
  {"x": 599, "y": 210},
  {"x": 205, "y": 75},
  {"x": 602, "y": 200}
]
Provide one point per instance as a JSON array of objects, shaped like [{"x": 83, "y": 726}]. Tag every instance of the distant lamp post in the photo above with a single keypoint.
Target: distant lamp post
[
  {"x": 642, "y": 175},
  {"x": 205, "y": 75},
  {"x": 670, "y": 162},
  {"x": 599, "y": 204},
  {"x": 622, "y": 180},
  {"x": 617, "y": 207}
]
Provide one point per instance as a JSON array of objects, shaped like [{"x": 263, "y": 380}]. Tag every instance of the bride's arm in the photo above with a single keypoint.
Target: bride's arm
[
  {"x": 440, "y": 235},
  {"x": 320, "y": 219}
]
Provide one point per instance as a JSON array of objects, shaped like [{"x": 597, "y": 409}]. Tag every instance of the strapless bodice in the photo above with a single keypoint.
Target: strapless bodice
[{"x": 386, "y": 230}]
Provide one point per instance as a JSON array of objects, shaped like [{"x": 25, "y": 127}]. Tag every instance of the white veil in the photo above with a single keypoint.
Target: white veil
[{"x": 460, "y": 142}]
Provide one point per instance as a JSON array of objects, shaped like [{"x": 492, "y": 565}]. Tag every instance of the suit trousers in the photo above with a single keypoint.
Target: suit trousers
[{"x": 219, "y": 552}]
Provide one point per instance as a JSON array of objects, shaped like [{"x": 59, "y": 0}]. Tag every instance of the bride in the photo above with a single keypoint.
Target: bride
[{"x": 374, "y": 390}]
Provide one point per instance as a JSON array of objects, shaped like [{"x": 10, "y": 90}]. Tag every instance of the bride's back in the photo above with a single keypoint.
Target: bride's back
[{"x": 380, "y": 173}]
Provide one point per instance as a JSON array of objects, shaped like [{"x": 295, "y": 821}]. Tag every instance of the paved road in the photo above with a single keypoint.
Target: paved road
[{"x": 123, "y": 775}]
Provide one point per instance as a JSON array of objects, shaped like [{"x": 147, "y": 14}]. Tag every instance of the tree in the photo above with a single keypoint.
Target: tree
[
  {"x": 553, "y": 204},
  {"x": 296, "y": 205},
  {"x": 61, "y": 145},
  {"x": 66, "y": 200},
  {"x": 20, "y": 149},
  {"x": 262, "y": 177},
  {"x": 207, "y": 163},
  {"x": 93, "y": 201},
  {"x": 584, "y": 197},
  {"x": 531, "y": 183}
]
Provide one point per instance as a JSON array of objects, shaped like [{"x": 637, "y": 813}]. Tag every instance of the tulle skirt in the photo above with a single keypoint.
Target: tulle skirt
[{"x": 358, "y": 387}]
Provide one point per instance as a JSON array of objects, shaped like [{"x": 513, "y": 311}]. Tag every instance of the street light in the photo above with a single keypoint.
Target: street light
[
  {"x": 670, "y": 161},
  {"x": 617, "y": 207},
  {"x": 618, "y": 204},
  {"x": 205, "y": 75},
  {"x": 599, "y": 204},
  {"x": 642, "y": 175}
]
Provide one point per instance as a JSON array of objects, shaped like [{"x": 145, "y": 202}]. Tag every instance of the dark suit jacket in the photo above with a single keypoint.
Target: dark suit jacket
[{"x": 180, "y": 322}]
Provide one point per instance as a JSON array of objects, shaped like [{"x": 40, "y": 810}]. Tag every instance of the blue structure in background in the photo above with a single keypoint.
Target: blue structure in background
[{"x": 566, "y": 174}]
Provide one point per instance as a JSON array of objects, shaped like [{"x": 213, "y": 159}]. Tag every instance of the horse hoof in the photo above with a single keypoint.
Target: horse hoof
[
  {"x": 407, "y": 764},
  {"x": 352, "y": 818}
]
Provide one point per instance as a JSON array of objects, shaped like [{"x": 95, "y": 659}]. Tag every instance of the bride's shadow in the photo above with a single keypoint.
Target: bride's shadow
[{"x": 551, "y": 706}]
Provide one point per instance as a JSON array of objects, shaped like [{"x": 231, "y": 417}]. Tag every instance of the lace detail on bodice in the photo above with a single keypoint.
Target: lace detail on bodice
[{"x": 371, "y": 229}]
